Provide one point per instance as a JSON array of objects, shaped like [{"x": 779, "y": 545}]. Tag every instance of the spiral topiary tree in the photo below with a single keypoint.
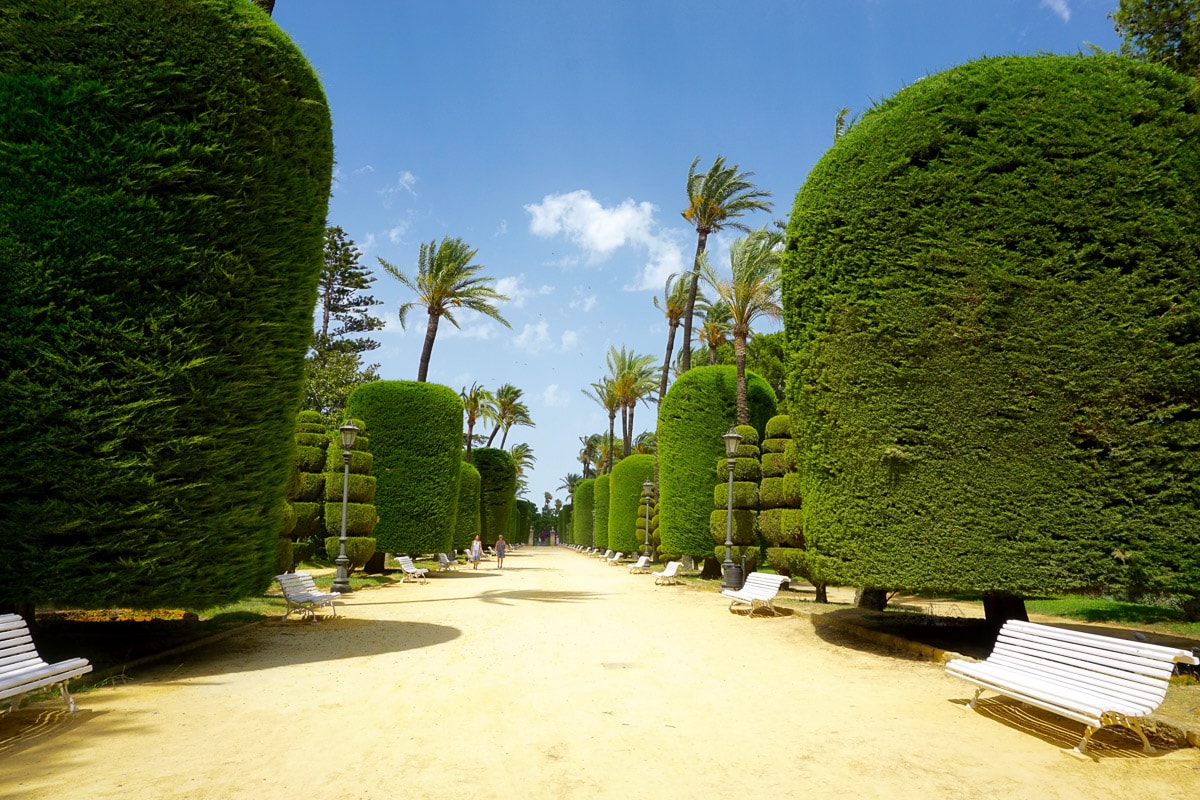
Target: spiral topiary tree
[
  {"x": 362, "y": 516},
  {"x": 992, "y": 298},
  {"x": 162, "y": 207},
  {"x": 698, "y": 409},
  {"x": 743, "y": 523},
  {"x": 497, "y": 491},
  {"x": 466, "y": 524},
  {"x": 416, "y": 436},
  {"x": 780, "y": 521},
  {"x": 306, "y": 490},
  {"x": 583, "y": 503},
  {"x": 626, "y": 519}
]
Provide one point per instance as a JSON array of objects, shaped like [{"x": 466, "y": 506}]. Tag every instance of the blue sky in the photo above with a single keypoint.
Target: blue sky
[{"x": 555, "y": 138}]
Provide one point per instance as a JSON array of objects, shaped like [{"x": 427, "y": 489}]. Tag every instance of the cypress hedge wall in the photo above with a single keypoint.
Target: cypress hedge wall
[
  {"x": 626, "y": 509},
  {"x": 466, "y": 524},
  {"x": 601, "y": 498},
  {"x": 166, "y": 169},
  {"x": 992, "y": 299},
  {"x": 416, "y": 438},
  {"x": 497, "y": 489},
  {"x": 582, "y": 502},
  {"x": 699, "y": 407}
]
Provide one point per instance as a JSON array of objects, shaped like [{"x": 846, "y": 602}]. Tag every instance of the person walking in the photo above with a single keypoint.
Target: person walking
[
  {"x": 500, "y": 548},
  {"x": 476, "y": 552}
]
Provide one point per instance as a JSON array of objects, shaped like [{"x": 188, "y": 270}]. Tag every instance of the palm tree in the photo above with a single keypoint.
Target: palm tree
[
  {"x": 587, "y": 454},
  {"x": 478, "y": 404},
  {"x": 714, "y": 332},
  {"x": 523, "y": 455},
  {"x": 751, "y": 292},
  {"x": 445, "y": 280},
  {"x": 604, "y": 392},
  {"x": 715, "y": 201},
  {"x": 569, "y": 483},
  {"x": 675, "y": 297},
  {"x": 509, "y": 411},
  {"x": 646, "y": 442},
  {"x": 634, "y": 378}
]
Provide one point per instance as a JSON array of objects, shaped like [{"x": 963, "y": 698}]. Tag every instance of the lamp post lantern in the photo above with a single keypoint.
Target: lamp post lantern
[
  {"x": 341, "y": 583},
  {"x": 732, "y": 573},
  {"x": 647, "y": 487}
]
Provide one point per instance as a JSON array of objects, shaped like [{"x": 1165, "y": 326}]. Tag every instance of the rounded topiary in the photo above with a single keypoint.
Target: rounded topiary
[
  {"x": 416, "y": 441},
  {"x": 745, "y": 526},
  {"x": 627, "y": 521},
  {"x": 466, "y": 525},
  {"x": 698, "y": 409},
  {"x": 992, "y": 298},
  {"x": 601, "y": 499},
  {"x": 359, "y": 549},
  {"x": 582, "y": 501},
  {"x": 166, "y": 172},
  {"x": 745, "y": 495},
  {"x": 778, "y": 427},
  {"x": 497, "y": 490},
  {"x": 782, "y": 527}
]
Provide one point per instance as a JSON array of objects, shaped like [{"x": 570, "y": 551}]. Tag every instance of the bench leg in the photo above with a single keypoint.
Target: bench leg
[
  {"x": 978, "y": 692},
  {"x": 67, "y": 697}
]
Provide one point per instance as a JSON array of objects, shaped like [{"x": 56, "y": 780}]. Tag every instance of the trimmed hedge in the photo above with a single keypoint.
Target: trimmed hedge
[
  {"x": 466, "y": 524},
  {"x": 601, "y": 500},
  {"x": 416, "y": 438},
  {"x": 745, "y": 526},
  {"x": 166, "y": 171},
  {"x": 627, "y": 520},
  {"x": 497, "y": 488},
  {"x": 582, "y": 501},
  {"x": 698, "y": 409},
  {"x": 782, "y": 527},
  {"x": 359, "y": 550},
  {"x": 745, "y": 495},
  {"x": 992, "y": 300}
]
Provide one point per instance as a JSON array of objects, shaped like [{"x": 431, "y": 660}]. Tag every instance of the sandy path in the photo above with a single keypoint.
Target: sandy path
[{"x": 559, "y": 677}]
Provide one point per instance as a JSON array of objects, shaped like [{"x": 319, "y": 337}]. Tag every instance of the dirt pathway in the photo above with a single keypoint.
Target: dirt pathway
[{"x": 558, "y": 677}]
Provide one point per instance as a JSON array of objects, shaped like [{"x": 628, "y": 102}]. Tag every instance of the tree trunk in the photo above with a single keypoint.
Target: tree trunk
[
  {"x": 822, "y": 596},
  {"x": 375, "y": 564},
  {"x": 1000, "y": 607},
  {"x": 427, "y": 350},
  {"x": 470, "y": 437},
  {"x": 739, "y": 358},
  {"x": 662, "y": 383},
  {"x": 871, "y": 599},
  {"x": 701, "y": 243},
  {"x": 629, "y": 436},
  {"x": 612, "y": 421},
  {"x": 711, "y": 569}
]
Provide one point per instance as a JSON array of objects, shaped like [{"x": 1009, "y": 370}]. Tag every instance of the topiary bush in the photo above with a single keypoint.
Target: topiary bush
[
  {"x": 627, "y": 520},
  {"x": 699, "y": 407},
  {"x": 583, "y": 502},
  {"x": 497, "y": 488},
  {"x": 466, "y": 524},
  {"x": 992, "y": 301},
  {"x": 362, "y": 517},
  {"x": 416, "y": 439},
  {"x": 162, "y": 207},
  {"x": 359, "y": 549},
  {"x": 601, "y": 498}
]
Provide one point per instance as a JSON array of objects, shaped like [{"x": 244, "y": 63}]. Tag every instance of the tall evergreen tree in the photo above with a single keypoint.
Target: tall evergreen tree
[
  {"x": 344, "y": 310},
  {"x": 1164, "y": 32}
]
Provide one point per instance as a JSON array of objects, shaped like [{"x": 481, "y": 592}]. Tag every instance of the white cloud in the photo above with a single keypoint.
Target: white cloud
[
  {"x": 583, "y": 303},
  {"x": 501, "y": 229},
  {"x": 534, "y": 338},
  {"x": 600, "y": 231},
  {"x": 396, "y": 234},
  {"x": 1059, "y": 7},
  {"x": 482, "y": 329},
  {"x": 569, "y": 340},
  {"x": 405, "y": 182},
  {"x": 513, "y": 287},
  {"x": 368, "y": 243},
  {"x": 553, "y": 397}
]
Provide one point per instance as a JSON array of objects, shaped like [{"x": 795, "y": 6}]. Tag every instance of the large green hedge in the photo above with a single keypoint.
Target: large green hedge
[
  {"x": 992, "y": 296},
  {"x": 416, "y": 438},
  {"x": 601, "y": 498},
  {"x": 625, "y": 503},
  {"x": 164, "y": 174},
  {"x": 582, "y": 502},
  {"x": 466, "y": 525},
  {"x": 699, "y": 407},
  {"x": 497, "y": 490}
]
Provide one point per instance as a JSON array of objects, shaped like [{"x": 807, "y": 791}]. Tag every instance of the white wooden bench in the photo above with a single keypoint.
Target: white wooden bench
[
  {"x": 616, "y": 559},
  {"x": 641, "y": 567},
  {"x": 410, "y": 569},
  {"x": 22, "y": 670},
  {"x": 446, "y": 563},
  {"x": 606, "y": 555},
  {"x": 759, "y": 590},
  {"x": 303, "y": 596},
  {"x": 1096, "y": 680},
  {"x": 667, "y": 576}
]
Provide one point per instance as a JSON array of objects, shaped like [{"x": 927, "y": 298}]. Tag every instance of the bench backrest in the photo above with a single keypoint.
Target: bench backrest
[
  {"x": 1103, "y": 663},
  {"x": 296, "y": 583},
  {"x": 17, "y": 651},
  {"x": 672, "y": 568},
  {"x": 762, "y": 585}
]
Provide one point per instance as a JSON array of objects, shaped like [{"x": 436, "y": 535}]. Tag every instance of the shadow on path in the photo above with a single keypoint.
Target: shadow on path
[{"x": 501, "y": 597}]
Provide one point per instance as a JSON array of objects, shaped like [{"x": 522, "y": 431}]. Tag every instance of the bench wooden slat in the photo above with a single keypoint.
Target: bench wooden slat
[
  {"x": 760, "y": 588},
  {"x": 23, "y": 670},
  {"x": 301, "y": 594}
]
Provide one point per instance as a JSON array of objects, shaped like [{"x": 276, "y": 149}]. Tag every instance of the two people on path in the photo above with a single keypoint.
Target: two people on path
[{"x": 476, "y": 552}]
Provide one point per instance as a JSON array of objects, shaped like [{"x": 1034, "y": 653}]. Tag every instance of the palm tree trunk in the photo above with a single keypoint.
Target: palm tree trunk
[
  {"x": 701, "y": 243},
  {"x": 662, "y": 383},
  {"x": 629, "y": 434},
  {"x": 612, "y": 420},
  {"x": 495, "y": 430},
  {"x": 427, "y": 350},
  {"x": 625, "y": 428},
  {"x": 504, "y": 438},
  {"x": 712, "y": 355},
  {"x": 739, "y": 358},
  {"x": 470, "y": 436}
]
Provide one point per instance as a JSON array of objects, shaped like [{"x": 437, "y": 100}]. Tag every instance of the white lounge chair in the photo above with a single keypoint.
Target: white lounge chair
[{"x": 667, "y": 576}]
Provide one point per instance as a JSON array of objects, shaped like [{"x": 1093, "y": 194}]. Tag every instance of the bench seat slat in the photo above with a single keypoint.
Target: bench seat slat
[
  {"x": 1091, "y": 675},
  {"x": 1152, "y": 651},
  {"x": 1093, "y": 703},
  {"x": 1142, "y": 663}
]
